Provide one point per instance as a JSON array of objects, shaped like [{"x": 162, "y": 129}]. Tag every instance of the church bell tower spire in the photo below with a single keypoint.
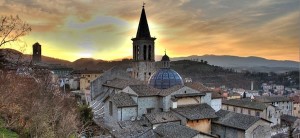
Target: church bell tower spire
[{"x": 143, "y": 50}]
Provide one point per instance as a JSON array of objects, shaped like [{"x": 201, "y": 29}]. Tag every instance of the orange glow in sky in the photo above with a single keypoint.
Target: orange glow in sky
[{"x": 103, "y": 29}]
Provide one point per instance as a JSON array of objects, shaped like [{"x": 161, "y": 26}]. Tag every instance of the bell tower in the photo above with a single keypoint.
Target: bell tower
[
  {"x": 143, "y": 51},
  {"x": 36, "y": 53}
]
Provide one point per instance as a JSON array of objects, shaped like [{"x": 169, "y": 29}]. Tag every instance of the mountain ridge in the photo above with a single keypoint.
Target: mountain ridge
[{"x": 250, "y": 63}]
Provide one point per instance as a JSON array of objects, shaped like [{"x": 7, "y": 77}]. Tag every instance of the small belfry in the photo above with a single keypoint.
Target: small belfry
[
  {"x": 36, "y": 53},
  {"x": 165, "y": 61},
  {"x": 143, "y": 50}
]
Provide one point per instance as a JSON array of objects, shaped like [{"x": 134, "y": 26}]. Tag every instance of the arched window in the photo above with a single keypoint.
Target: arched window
[
  {"x": 145, "y": 52},
  {"x": 138, "y": 52},
  {"x": 149, "y": 52}
]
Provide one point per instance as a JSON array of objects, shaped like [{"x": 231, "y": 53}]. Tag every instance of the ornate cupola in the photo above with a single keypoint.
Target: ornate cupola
[
  {"x": 165, "y": 77},
  {"x": 143, "y": 50},
  {"x": 165, "y": 60}
]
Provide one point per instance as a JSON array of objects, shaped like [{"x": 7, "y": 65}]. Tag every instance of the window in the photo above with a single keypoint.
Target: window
[
  {"x": 149, "y": 73},
  {"x": 233, "y": 109},
  {"x": 294, "y": 108},
  {"x": 241, "y": 110},
  {"x": 249, "y": 111},
  {"x": 149, "y": 110},
  {"x": 89, "y": 81},
  {"x": 257, "y": 114},
  {"x": 110, "y": 108},
  {"x": 149, "y": 52},
  {"x": 145, "y": 52},
  {"x": 89, "y": 75}
]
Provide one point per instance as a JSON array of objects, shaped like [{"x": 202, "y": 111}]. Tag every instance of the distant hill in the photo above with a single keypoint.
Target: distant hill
[
  {"x": 255, "y": 64},
  {"x": 211, "y": 75},
  {"x": 15, "y": 56},
  {"x": 252, "y": 63}
]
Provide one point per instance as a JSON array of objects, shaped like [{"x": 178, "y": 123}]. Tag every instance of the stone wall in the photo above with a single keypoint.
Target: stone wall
[
  {"x": 216, "y": 104},
  {"x": 202, "y": 125},
  {"x": 145, "y": 103},
  {"x": 227, "y": 132},
  {"x": 260, "y": 129},
  {"x": 126, "y": 113},
  {"x": 115, "y": 72}
]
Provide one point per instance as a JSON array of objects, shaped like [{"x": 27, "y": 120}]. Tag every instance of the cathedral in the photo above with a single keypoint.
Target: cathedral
[{"x": 145, "y": 100}]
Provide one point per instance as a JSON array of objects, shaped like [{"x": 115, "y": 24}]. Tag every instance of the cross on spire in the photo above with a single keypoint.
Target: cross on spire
[
  {"x": 165, "y": 52},
  {"x": 144, "y": 4}
]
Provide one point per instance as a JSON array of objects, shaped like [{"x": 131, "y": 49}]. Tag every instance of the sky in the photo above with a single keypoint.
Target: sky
[{"x": 102, "y": 29}]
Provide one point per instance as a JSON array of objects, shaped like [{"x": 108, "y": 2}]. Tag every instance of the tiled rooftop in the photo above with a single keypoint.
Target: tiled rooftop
[
  {"x": 133, "y": 129},
  {"x": 235, "y": 120},
  {"x": 123, "y": 100},
  {"x": 269, "y": 99},
  {"x": 162, "y": 117},
  {"x": 197, "y": 86},
  {"x": 166, "y": 92},
  {"x": 121, "y": 83},
  {"x": 246, "y": 104},
  {"x": 188, "y": 95},
  {"x": 288, "y": 118},
  {"x": 196, "y": 112},
  {"x": 173, "y": 130},
  {"x": 144, "y": 90}
]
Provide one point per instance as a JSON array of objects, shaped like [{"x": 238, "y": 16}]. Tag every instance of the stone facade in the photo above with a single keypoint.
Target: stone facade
[
  {"x": 216, "y": 104},
  {"x": 227, "y": 132},
  {"x": 269, "y": 112},
  {"x": 87, "y": 78},
  {"x": 143, "y": 51},
  {"x": 261, "y": 129},
  {"x": 230, "y": 124}
]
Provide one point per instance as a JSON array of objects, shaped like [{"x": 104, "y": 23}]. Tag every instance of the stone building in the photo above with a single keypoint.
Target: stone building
[
  {"x": 231, "y": 124},
  {"x": 296, "y": 105},
  {"x": 284, "y": 104},
  {"x": 253, "y": 108},
  {"x": 216, "y": 97},
  {"x": 86, "y": 77},
  {"x": 150, "y": 100},
  {"x": 197, "y": 117}
]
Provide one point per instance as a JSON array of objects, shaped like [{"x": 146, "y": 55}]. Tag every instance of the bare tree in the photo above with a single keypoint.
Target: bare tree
[{"x": 12, "y": 28}]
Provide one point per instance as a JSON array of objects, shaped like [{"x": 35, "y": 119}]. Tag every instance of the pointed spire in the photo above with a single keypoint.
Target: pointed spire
[{"x": 143, "y": 30}]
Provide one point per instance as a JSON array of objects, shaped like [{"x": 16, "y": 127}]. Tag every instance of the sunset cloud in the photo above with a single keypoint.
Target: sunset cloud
[{"x": 103, "y": 29}]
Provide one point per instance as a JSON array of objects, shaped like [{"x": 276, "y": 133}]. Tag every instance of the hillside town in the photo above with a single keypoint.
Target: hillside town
[{"x": 148, "y": 98}]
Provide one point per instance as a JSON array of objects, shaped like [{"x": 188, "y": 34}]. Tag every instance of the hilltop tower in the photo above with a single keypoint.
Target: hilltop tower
[
  {"x": 143, "y": 51},
  {"x": 36, "y": 53}
]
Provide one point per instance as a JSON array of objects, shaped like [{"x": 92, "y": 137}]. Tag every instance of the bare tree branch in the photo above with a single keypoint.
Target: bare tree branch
[{"x": 12, "y": 28}]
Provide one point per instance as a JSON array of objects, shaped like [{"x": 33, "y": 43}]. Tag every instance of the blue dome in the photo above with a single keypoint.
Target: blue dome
[{"x": 165, "y": 78}]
